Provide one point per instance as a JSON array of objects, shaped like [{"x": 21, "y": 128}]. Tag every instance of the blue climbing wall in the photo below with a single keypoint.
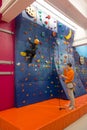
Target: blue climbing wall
[
  {"x": 64, "y": 53},
  {"x": 36, "y": 81},
  {"x": 81, "y": 68}
]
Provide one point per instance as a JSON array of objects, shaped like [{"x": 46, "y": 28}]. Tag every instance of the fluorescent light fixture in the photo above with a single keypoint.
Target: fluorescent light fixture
[{"x": 44, "y": 6}]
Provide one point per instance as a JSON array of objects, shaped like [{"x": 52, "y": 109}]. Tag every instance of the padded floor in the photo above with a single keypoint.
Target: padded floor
[{"x": 43, "y": 116}]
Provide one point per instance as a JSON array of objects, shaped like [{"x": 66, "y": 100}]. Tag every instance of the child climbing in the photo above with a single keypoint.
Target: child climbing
[{"x": 30, "y": 52}]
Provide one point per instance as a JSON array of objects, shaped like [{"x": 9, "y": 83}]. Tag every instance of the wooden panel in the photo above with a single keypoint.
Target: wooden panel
[{"x": 15, "y": 9}]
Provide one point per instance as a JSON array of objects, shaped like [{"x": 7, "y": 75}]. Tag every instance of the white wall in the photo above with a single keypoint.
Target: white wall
[{"x": 80, "y": 37}]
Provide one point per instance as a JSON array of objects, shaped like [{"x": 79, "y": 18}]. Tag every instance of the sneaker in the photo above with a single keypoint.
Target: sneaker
[
  {"x": 68, "y": 105},
  {"x": 71, "y": 107}
]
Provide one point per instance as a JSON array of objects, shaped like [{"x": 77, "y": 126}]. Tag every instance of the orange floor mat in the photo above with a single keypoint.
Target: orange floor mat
[{"x": 43, "y": 116}]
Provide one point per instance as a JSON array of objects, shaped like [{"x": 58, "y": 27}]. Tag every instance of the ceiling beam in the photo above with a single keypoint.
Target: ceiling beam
[
  {"x": 67, "y": 9},
  {"x": 14, "y": 8}
]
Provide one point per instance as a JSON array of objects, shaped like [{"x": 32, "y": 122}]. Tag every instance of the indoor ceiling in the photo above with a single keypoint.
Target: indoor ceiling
[
  {"x": 76, "y": 10},
  {"x": 11, "y": 8}
]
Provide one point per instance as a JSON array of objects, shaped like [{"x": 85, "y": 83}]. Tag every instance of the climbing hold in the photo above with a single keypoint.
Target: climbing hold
[
  {"x": 58, "y": 66},
  {"x": 51, "y": 95},
  {"x": 65, "y": 42},
  {"x": 54, "y": 34},
  {"x": 61, "y": 36},
  {"x": 23, "y": 90},
  {"x": 23, "y": 54},
  {"x": 57, "y": 41},
  {"x": 35, "y": 20},
  {"x": 22, "y": 85},
  {"x": 26, "y": 79},
  {"x": 56, "y": 77},
  {"x": 30, "y": 84},
  {"x": 48, "y": 77},
  {"x": 45, "y": 91},
  {"x": 48, "y": 87},
  {"x": 46, "y": 22},
  {"x": 40, "y": 19},
  {"x": 38, "y": 65},
  {"x": 52, "y": 82},
  {"x": 43, "y": 34},
  {"x": 44, "y": 25},
  {"x": 40, "y": 43},
  {"x": 38, "y": 61},
  {"x": 50, "y": 91},
  {"x": 32, "y": 65},
  {"x": 60, "y": 25},
  {"x": 61, "y": 91},
  {"x": 39, "y": 12},
  {"x": 29, "y": 74},
  {"x": 27, "y": 95},
  {"x": 35, "y": 69},
  {"x": 25, "y": 33},
  {"x": 18, "y": 64},
  {"x": 35, "y": 65},
  {"x": 67, "y": 37},
  {"x": 57, "y": 62},
  {"x": 22, "y": 69},
  {"x": 42, "y": 57},
  {"x": 31, "y": 11},
  {"x": 47, "y": 66},
  {"x": 62, "y": 30},
  {"x": 48, "y": 16},
  {"x": 65, "y": 56},
  {"x": 24, "y": 101}
]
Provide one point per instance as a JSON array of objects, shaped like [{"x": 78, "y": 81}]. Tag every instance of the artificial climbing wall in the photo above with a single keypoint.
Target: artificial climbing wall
[
  {"x": 36, "y": 81},
  {"x": 64, "y": 54},
  {"x": 80, "y": 55},
  {"x": 37, "y": 78}
]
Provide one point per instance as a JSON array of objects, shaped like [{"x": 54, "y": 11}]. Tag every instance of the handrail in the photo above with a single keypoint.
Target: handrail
[
  {"x": 6, "y": 73},
  {"x": 6, "y": 62},
  {"x": 6, "y": 31}
]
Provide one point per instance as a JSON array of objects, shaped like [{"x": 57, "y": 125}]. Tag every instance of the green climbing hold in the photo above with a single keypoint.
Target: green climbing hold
[
  {"x": 45, "y": 91},
  {"x": 48, "y": 77},
  {"x": 60, "y": 25},
  {"x": 62, "y": 30},
  {"x": 44, "y": 25},
  {"x": 43, "y": 34},
  {"x": 58, "y": 66},
  {"x": 50, "y": 91},
  {"x": 39, "y": 12},
  {"x": 40, "y": 19},
  {"x": 61, "y": 36}
]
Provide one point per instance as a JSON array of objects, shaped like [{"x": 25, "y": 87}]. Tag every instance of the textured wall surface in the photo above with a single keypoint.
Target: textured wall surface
[
  {"x": 81, "y": 68},
  {"x": 39, "y": 80}
]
